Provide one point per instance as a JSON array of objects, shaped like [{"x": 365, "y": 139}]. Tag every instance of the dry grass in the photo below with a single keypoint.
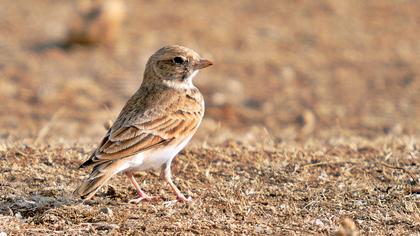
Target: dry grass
[{"x": 312, "y": 123}]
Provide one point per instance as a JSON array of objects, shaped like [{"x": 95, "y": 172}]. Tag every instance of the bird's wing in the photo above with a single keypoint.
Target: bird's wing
[{"x": 145, "y": 133}]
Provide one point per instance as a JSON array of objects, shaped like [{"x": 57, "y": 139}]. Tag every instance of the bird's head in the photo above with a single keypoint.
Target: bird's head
[{"x": 174, "y": 65}]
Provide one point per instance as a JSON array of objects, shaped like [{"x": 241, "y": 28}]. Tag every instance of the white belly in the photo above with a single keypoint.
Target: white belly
[{"x": 154, "y": 158}]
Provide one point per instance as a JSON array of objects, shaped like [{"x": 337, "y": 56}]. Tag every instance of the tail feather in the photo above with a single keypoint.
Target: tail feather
[{"x": 101, "y": 173}]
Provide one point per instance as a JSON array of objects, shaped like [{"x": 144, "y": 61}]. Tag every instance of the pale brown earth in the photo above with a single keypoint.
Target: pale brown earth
[{"x": 312, "y": 119}]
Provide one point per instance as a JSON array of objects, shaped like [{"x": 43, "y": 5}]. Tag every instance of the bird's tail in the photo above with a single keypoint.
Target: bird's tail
[{"x": 99, "y": 176}]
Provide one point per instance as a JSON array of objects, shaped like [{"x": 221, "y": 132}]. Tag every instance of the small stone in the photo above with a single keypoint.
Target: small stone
[
  {"x": 18, "y": 215},
  {"x": 259, "y": 229},
  {"x": 358, "y": 203},
  {"x": 107, "y": 211},
  {"x": 319, "y": 223}
]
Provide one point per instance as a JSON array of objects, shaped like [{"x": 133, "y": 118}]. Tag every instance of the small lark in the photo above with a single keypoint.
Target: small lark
[
  {"x": 155, "y": 124},
  {"x": 97, "y": 22}
]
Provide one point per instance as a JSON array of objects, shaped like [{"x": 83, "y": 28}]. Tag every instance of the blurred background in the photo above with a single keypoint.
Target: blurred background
[{"x": 284, "y": 70}]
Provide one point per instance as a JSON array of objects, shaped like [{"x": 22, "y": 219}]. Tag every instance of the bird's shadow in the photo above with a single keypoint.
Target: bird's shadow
[
  {"x": 64, "y": 45},
  {"x": 45, "y": 46},
  {"x": 37, "y": 205},
  {"x": 33, "y": 206}
]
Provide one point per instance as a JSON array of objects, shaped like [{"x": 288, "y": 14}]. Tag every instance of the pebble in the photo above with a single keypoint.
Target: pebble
[
  {"x": 107, "y": 211},
  {"x": 319, "y": 223},
  {"x": 18, "y": 216}
]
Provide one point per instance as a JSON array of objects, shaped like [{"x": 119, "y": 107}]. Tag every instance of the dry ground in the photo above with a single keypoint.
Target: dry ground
[
  {"x": 313, "y": 118},
  {"x": 236, "y": 189}
]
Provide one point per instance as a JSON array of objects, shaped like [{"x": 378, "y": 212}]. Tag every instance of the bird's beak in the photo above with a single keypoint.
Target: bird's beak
[{"x": 203, "y": 63}]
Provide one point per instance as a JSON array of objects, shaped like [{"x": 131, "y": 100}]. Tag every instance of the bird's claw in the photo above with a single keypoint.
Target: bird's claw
[
  {"x": 141, "y": 199},
  {"x": 182, "y": 198}
]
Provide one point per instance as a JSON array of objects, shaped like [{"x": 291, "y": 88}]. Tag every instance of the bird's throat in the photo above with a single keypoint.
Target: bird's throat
[{"x": 181, "y": 84}]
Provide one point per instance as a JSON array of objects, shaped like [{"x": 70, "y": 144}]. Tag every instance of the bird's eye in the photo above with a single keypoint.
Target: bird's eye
[{"x": 178, "y": 60}]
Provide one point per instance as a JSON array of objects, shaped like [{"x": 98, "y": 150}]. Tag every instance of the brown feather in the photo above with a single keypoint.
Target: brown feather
[
  {"x": 99, "y": 176},
  {"x": 130, "y": 135}
]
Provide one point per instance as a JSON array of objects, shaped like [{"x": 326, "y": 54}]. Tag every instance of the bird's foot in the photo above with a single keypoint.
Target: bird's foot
[
  {"x": 179, "y": 199},
  {"x": 145, "y": 198},
  {"x": 182, "y": 198}
]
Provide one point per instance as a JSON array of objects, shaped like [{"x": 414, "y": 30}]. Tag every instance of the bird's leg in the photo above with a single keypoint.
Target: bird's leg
[
  {"x": 142, "y": 196},
  {"x": 167, "y": 175}
]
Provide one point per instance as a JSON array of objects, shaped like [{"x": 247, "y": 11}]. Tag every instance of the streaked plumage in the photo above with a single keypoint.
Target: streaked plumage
[{"x": 154, "y": 125}]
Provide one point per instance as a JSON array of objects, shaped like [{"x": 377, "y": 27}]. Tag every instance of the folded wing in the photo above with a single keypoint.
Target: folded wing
[{"x": 130, "y": 139}]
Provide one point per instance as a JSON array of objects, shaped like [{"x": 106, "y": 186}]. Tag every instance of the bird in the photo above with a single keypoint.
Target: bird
[
  {"x": 155, "y": 124},
  {"x": 96, "y": 22}
]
